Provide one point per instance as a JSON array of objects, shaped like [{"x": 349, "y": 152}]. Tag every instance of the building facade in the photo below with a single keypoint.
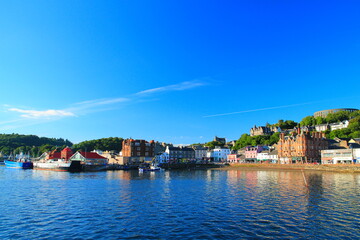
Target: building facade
[
  {"x": 301, "y": 147},
  {"x": 337, "y": 156},
  {"x": 180, "y": 154},
  {"x": 219, "y": 154},
  {"x": 251, "y": 153},
  {"x": 200, "y": 152},
  {"x": 137, "y": 151},
  {"x": 261, "y": 130},
  {"x": 162, "y": 158},
  {"x": 324, "y": 113},
  {"x": 268, "y": 156}
]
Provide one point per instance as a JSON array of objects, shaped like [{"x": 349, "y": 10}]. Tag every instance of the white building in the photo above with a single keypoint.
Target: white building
[
  {"x": 219, "y": 154},
  {"x": 269, "y": 156},
  {"x": 340, "y": 125},
  {"x": 337, "y": 156},
  {"x": 162, "y": 158}
]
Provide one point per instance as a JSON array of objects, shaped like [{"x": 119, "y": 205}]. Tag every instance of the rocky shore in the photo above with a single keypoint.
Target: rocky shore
[{"x": 348, "y": 168}]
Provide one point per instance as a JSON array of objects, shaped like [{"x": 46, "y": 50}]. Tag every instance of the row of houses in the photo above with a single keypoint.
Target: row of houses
[{"x": 300, "y": 146}]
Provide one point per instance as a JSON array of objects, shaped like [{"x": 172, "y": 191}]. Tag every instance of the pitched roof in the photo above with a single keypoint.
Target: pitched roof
[{"x": 91, "y": 155}]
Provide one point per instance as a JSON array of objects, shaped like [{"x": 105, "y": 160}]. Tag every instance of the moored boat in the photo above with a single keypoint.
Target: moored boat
[
  {"x": 57, "y": 160},
  {"x": 59, "y": 165},
  {"x": 21, "y": 163},
  {"x": 149, "y": 168}
]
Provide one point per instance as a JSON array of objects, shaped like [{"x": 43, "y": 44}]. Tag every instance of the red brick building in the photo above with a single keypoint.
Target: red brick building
[
  {"x": 66, "y": 153},
  {"x": 137, "y": 151},
  {"x": 137, "y": 148},
  {"x": 301, "y": 147}
]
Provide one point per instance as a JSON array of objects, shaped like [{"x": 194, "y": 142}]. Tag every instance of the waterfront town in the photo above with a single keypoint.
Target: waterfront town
[{"x": 299, "y": 145}]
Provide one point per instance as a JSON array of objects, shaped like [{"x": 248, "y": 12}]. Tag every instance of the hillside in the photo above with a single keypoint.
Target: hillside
[{"x": 16, "y": 143}]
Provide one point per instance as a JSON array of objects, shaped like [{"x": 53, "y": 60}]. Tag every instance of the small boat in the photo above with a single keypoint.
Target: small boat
[
  {"x": 150, "y": 168},
  {"x": 21, "y": 163}
]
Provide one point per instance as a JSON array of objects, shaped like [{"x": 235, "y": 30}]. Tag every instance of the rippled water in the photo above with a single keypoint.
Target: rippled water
[{"x": 212, "y": 204}]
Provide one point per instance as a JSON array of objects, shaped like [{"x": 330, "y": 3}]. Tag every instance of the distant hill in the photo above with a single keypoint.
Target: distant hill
[
  {"x": 104, "y": 144},
  {"x": 16, "y": 143}
]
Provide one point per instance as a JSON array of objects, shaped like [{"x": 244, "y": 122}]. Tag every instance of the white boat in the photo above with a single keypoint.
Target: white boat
[
  {"x": 150, "y": 168},
  {"x": 58, "y": 165}
]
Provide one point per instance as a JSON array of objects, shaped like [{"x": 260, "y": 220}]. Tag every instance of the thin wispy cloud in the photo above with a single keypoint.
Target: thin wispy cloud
[
  {"x": 90, "y": 106},
  {"x": 175, "y": 87},
  {"x": 98, "y": 102},
  {"x": 42, "y": 114},
  {"x": 257, "y": 110}
]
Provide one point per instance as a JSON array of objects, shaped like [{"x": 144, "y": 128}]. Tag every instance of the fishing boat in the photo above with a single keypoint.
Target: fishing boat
[
  {"x": 21, "y": 163},
  {"x": 149, "y": 168},
  {"x": 58, "y": 165}
]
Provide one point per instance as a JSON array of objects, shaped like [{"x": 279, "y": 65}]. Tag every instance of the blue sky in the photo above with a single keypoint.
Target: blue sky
[{"x": 173, "y": 70}]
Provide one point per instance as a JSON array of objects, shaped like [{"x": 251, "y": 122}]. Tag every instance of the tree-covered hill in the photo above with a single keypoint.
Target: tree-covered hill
[
  {"x": 104, "y": 144},
  {"x": 16, "y": 143}
]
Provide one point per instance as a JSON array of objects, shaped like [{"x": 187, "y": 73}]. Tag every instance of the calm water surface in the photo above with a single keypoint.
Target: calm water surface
[{"x": 212, "y": 204}]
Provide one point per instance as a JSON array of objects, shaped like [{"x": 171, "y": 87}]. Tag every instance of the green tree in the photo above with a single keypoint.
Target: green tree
[
  {"x": 320, "y": 120},
  {"x": 308, "y": 121},
  {"x": 213, "y": 144}
]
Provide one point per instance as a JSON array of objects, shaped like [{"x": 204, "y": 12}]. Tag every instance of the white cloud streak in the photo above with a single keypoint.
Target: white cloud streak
[
  {"x": 257, "y": 110},
  {"x": 85, "y": 107},
  {"x": 175, "y": 87},
  {"x": 42, "y": 114}
]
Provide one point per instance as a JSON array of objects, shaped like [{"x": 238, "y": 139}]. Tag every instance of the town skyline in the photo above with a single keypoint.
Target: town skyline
[{"x": 179, "y": 73}]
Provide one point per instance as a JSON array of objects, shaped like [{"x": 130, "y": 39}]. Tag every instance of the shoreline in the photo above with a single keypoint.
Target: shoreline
[{"x": 343, "y": 168}]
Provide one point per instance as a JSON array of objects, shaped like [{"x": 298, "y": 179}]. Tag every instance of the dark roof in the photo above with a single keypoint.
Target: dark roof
[{"x": 354, "y": 145}]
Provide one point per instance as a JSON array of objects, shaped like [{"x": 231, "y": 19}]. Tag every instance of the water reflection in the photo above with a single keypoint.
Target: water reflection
[{"x": 209, "y": 204}]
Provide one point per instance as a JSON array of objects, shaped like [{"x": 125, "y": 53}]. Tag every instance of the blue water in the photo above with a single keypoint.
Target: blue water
[{"x": 211, "y": 204}]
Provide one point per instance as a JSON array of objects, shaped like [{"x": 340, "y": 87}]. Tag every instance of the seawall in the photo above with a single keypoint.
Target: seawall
[{"x": 349, "y": 168}]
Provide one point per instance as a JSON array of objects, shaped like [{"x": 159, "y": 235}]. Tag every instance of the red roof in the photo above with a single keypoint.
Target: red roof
[
  {"x": 67, "y": 149},
  {"x": 55, "y": 155},
  {"x": 92, "y": 155}
]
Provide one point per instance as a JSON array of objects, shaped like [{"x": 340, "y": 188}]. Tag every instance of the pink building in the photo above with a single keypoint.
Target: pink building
[{"x": 252, "y": 152}]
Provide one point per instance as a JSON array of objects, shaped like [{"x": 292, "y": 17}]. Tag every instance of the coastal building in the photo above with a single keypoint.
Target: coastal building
[
  {"x": 160, "y": 147},
  {"x": 262, "y": 130},
  {"x": 162, "y": 158},
  {"x": 301, "y": 147},
  {"x": 91, "y": 161},
  {"x": 269, "y": 156},
  {"x": 112, "y": 156},
  {"x": 324, "y": 113},
  {"x": 241, "y": 154},
  {"x": 337, "y": 156},
  {"x": 200, "y": 152},
  {"x": 180, "y": 154},
  {"x": 356, "y": 155},
  {"x": 233, "y": 158},
  {"x": 251, "y": 153},
  {"x": 137, "y": 151},
  {"x": 64, "y": 154},
  {"x": 219, "y": 154}
]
